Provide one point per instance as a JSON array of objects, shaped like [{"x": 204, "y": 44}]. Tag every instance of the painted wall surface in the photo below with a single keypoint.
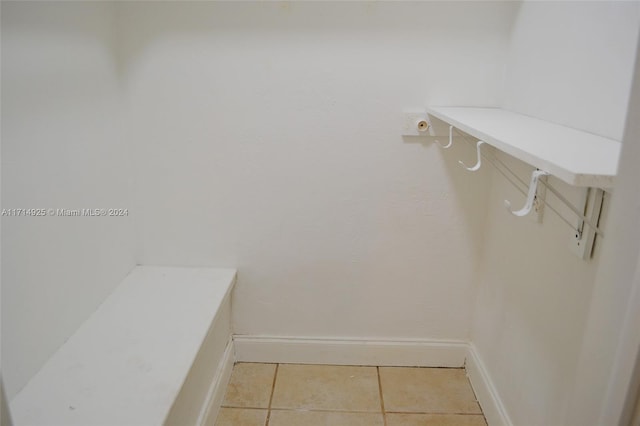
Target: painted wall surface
[
  {"x": 610, "y": 346},
  {"x": 570, "y": 63},
  {"x": 63, "y": 147},
  {"x": 269, "y": 140}
]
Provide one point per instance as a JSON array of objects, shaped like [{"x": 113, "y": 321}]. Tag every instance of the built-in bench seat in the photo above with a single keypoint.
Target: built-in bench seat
[{"x": 153, "y": 353}]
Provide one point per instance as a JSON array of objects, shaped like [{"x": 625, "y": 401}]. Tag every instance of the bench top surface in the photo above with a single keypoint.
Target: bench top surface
[{"x": 131, "y": 357}]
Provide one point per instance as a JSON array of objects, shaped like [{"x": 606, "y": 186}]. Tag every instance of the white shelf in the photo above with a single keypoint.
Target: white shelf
[{"x": 576, "y": 157}]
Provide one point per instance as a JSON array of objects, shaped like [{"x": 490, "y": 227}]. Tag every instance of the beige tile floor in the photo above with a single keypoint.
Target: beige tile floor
[{"x": 335, "y": 395}]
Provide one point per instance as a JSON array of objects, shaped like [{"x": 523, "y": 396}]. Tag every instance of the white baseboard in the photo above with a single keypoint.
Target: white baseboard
[
  {"x": 215, "y": 396},
  {"x": 304, "y": 350},
  {"x": 488, "y": 397}
]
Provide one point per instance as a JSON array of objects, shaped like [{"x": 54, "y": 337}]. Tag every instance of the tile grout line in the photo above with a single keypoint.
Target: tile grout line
[
  {"x": 240, "y": 407},
  {"x": 437, "y": 413},
  {"x": 327, "y": 410},
  {"x": 320, "y": 410},
  {"x": 384, "y": 414},
  {"x": 273, "y": 388}
]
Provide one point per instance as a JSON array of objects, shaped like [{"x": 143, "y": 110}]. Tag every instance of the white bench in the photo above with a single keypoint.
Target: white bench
[{"x": 157, "y": 351}]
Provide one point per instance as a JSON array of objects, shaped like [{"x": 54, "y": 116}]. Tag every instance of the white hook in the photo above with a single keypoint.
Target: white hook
[
  {"x": 479, "y": 163},
  {"x": 533, "y": 187},
  {"x": 450, "y": 139}
]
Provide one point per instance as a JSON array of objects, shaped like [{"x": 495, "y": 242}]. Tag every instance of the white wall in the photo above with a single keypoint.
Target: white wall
[
  {"x": 609, "y": 352},
  {"x": 268, "y": 137},
  {"x": 570, "y": 63},
  {"x": 62, "y": 147}
]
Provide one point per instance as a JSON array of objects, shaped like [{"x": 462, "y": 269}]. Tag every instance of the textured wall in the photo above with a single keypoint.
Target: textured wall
[{"x": 268, "y": 137}]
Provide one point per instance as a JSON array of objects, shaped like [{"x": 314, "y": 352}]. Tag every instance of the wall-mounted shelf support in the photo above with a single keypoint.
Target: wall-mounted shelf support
[{"x": 584, "y": 236}]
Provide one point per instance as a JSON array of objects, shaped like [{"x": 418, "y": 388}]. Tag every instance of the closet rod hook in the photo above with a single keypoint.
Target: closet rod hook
[
  {"x": 533, "y": 187},
  {"x": 450, "y": 139},
  {"x": 479, "y": 163}
]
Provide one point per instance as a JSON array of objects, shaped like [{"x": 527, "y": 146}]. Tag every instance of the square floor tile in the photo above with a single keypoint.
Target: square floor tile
[
  {"x": 250, "y": 385},
  {"x": 241, "y": 417},
  {"x": 327, "y": 387},
  {"x": 435, "y": 420},
  {"x": 324, "y": 418},
  {"x": 427, "y": 390}
]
